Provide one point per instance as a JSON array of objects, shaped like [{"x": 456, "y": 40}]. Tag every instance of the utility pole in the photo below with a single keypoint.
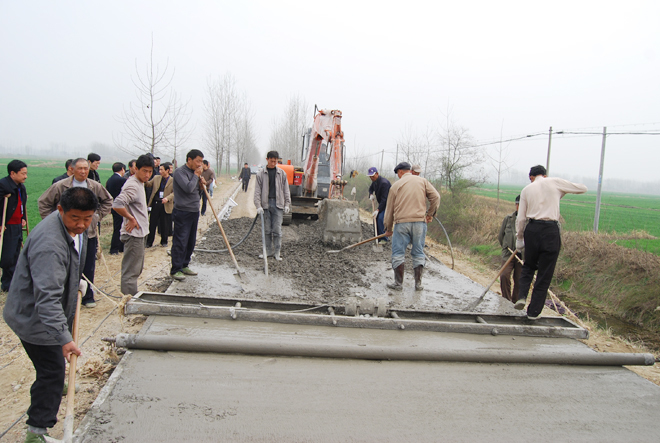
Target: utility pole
[
  {"x": 396, "y": 159},
  {"x": 382, "y": 153},
  {"x": 547, "y": 162},
  {"x": 600, "y": 181}
]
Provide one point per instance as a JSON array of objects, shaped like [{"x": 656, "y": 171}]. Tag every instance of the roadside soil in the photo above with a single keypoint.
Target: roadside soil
[{"x": 98, "y": 360}]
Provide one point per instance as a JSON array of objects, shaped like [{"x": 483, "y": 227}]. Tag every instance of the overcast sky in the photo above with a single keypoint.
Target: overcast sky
[{"x": 510, "y": 68}]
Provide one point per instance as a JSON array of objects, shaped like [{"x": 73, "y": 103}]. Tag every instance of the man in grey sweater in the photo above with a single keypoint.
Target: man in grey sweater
[
  {"x": 41, "y": 302},
  {"x": 185, "y": 215},
  {"x": 131, "y": 203}
]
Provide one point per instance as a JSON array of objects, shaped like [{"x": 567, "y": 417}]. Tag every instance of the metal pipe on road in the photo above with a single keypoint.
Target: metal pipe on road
[{"x": 324, "y": 350}]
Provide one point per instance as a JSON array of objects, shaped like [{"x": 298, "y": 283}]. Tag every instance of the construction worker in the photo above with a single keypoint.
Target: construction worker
[
  {"x": 15, "y": 218},
  {"x": 209, "y": 176},
  {"x": 537, "y": 230},
  {"x": 94, "y": 163},
  {"x": 114, "y": 185},
  {"x": 272, "y": 199},
  {"x": 245, "y": 176},
  {"x": 378, "y": 192},
  {"x": 160, "y": 205},
  {"x": 41, "y": 302},
  {"x": 48, "y": 204},
  {"x": 416, "y": 170},
  {"x": 405, "y": 221},
  {"x": 187, "y": 180},
  {"x": 131, "y": 203},
  {"x": 507, "y": 239}
]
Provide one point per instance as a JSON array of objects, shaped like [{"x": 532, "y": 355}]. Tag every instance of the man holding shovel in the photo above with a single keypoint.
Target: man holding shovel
[
  {"x": 507, "y": 239},
  {"x": 538, "y": 232},
  {"x": 405, "y": 221},
  {"x": 272, "y": 199},
  {"x": 14, "y": 218},
  {"x": 41, "y": 303},
  {"x": 378, "y": 192}
]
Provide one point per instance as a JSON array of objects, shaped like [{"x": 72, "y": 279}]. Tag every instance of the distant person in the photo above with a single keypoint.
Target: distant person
[
  {"x": 185, "y": 215},
  {"x": 131, "y": 204},
  {"x": 41, "y": 303},
  {"x": 68, "y": 173},
  {"x": 48, "y": 204},
  {"x": 155, "y": 173},
  {"x": 416, "y": 170},
  {"x": 114, "y": 185},
  {"x": 94, "y": 163},
  {"x": 245, "y": 176},
  {"x": 406, "y": 216},
  {"x": 209, "y": 177},
  {"x": 507, "y": 239},
  {"x": 272, "y": 199},
  {"x": 131, "y": 168},
  {"x": 16, "y": 218},
  {"x": 537, "y": 230},
  {"x": 378, "y": 192},
  {"x": 160, "y": 205}
]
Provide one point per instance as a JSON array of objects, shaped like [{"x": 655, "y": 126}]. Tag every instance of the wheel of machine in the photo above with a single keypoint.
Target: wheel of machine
[
  {"x": 382, "y": 307},
  {"x": 286, "y": 220},
  {"x": 351, "y": 308}
]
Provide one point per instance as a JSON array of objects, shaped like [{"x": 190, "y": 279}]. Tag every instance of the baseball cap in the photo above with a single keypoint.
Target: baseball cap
[
  {"x": 403, "y": 165},
  {"x": 417, "y": 169},
  {"x": 372, "y": 171}
]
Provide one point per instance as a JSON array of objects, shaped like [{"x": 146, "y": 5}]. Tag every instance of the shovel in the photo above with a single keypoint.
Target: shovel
[
  {"x": 377, "y": 247},
  {"x": 239, "y": 276},
  {"x": 481, "y": 298},
  {"x": 71, "y": 392},
  {"x": 263, "y": 242},
  {"x": 356, "y": 244},
  {"x": 4, "y": 219}
]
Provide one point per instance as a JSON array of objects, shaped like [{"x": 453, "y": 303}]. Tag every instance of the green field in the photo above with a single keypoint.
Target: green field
[
  {"x": 620, "y": 214},
  {"x": 40, "y": 175}
]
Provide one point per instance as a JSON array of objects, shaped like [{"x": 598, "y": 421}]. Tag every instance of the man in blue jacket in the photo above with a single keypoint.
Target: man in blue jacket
[
  {"x": 41, "y": 303},
  {"x": 15, "y": 218},
  {"x": 378, "y": 191}
]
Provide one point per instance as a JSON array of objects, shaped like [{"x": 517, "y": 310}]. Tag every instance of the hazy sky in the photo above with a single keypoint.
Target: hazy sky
[{"x": 510, "y": 68}]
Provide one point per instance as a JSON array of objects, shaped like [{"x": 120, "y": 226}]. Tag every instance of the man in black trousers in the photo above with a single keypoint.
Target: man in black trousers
[{"x": 114, "y": 185}]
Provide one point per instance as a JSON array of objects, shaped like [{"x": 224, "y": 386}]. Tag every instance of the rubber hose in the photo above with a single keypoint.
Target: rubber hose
[{"x": 233, "y": 246}]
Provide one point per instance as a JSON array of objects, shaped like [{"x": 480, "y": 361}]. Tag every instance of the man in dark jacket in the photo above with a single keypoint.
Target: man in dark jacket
[
  {"x": 378, "y": 192},
  {"x": 507, "y": 239},
  {"x": 15, "y": 218},
  {"x": 67, "y": 174},
  {"x": 113, "y": 185},
  {"x": 41, "y": 302},
  {"x": 245, "y": 177},
  {"x": 94, "y": 163}
]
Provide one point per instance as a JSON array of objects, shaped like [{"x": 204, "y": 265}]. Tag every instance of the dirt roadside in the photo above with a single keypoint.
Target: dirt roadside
[{"x": 17, "y": 374}]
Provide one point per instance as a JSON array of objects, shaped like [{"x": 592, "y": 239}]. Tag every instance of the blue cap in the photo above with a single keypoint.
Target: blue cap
[{"x": 372, "y": 171}]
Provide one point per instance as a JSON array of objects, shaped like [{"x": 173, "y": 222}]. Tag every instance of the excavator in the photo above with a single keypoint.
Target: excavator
[{"x": 317, "y": 187}]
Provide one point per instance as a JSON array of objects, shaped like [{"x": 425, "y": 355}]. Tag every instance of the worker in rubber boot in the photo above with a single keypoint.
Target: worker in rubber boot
[
  {"x": 405, "y": 221},
  {"x": 507, "y": 239},
  {"x": 378, "y": 192},
  {"x": 41, "y": 303},
  {"x": 537, "y": 230},
  {"x": 272, "y": 199}
]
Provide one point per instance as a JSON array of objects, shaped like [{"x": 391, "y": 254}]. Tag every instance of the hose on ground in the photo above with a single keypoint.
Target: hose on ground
[
  {"x": 232, "y": 246},
  {"x": 448, "y": 241}
]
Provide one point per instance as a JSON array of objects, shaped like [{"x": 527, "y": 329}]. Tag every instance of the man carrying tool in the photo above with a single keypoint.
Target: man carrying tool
[
  {"x": 507, "y": 239},
  {"x": 272, "y": 199},
  {"x": 48, "y": 204},
  {"x": 14, "y": 217},
  {"x": 209, "y": 177},
  {"x": 378, "y": 192},
  {"x": 245, "y": 176},
  {"x": 538, "y": 232},
  {"x": 187, "y": 180},
  {"x": 131, "y": 204},
  {"x": 41, "y": 304},
  {"x": 405, "y": 221}
]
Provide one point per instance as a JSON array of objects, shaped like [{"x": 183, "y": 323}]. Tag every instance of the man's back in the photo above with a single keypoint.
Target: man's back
[{"x": 114, "y": 184}]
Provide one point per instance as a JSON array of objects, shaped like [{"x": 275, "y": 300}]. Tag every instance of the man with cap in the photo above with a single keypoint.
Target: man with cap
[
  {"x": 416, "y": 170},
  {"x": 378, "y": 192},
  {"x": 537, "y": 230},
  {"x": 405, "y": 221},
  {"x": 507, "y": 239}
]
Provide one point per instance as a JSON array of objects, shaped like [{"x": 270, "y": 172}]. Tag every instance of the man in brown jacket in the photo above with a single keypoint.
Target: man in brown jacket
[
  {"x": 51, "y": 198},
  {"x": 160, "y": 204},
  {"x": 405, "y": 221}
]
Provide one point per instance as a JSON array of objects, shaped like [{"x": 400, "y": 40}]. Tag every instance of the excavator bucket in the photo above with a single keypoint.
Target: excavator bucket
[{"x": 340, "y": 220}]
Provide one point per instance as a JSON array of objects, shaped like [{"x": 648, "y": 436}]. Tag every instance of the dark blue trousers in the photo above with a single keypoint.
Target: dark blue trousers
[
  {"x": 11, "y": 249},
  {"x": 184, "y": 237},
  {"x": 116, "y": 245},
  {"x": 46, "y": 391}
]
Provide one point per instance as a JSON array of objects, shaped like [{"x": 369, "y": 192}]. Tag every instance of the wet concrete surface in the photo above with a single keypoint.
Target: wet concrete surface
[
  {"x": 178, "y": 396},
  {"x": 309, "y": 274}
]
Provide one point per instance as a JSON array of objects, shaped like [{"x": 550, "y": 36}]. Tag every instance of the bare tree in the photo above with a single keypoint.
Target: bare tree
[
  {"x": 220, "y": 109},
  {"x": 420, "y": 148},
  {"x": 147, "y": 121},
  {"x": 286, "y": 137},
  {"x": 460, "y": 157},
  {"x": 245, "y": 145},
  {"x": 499, "y": 162},
  {"x": 180, "y": 129}
]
